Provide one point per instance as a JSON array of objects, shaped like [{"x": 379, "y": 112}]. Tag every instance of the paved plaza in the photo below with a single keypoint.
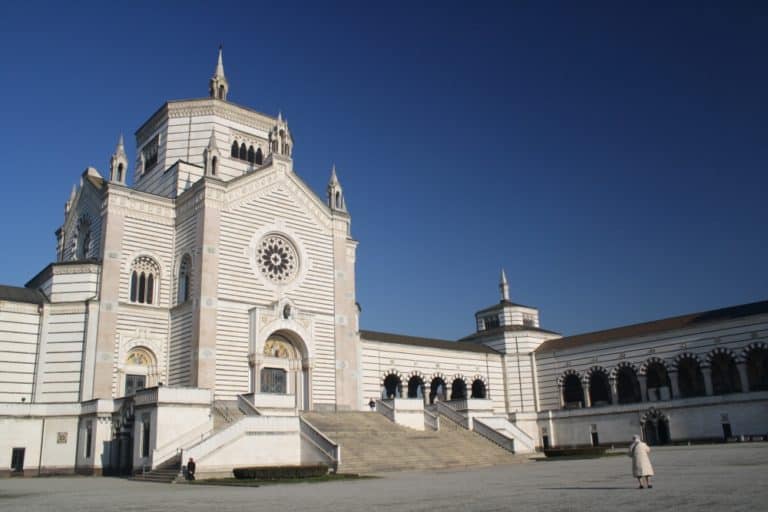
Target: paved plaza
[{"x": 719, "y": 477}]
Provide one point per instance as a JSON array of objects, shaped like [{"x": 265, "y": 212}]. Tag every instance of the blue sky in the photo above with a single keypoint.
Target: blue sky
[{"x": 611, "y": 158}]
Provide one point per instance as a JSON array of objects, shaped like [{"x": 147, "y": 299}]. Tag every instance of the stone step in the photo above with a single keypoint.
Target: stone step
[{"x": 371, "y": 443}]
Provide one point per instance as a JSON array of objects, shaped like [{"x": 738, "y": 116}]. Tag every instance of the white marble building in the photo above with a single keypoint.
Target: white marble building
[{"x": 218, "y": 285}]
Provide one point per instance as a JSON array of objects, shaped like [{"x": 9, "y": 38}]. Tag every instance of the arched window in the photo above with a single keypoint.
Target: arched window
[
  {"x": 458, "y": 389},
  {"x": 478, "y": 389},
  {"x": 251, "y": 154},
  {"x": 437, "y": 390},
  {"x": 144, "y": 272},
  {"x": 415, "y": 387},
  {"x": 214, "y": 163},
  {"x": 573, "y": 393},
  {"x": 235, "y": 150},
  {"x": 627, "y": 385},
  {"x": 599, "y": 388},
  {"x": 120, "y": 172},
  {"x": 338, "y": 200},
  {"x": 243, "y": 152},
  {"x": 658, "y": 383},
  {"x": 725, "y": 375},
  {"x": 690, "y": 380},
  {"x": 757, "y": 369},
  {"x": 185, "y": 268},
  {"x": 259, "y": 158},
  {"x": 221, "y": 92},
  {"x": 393, "y": 386}
]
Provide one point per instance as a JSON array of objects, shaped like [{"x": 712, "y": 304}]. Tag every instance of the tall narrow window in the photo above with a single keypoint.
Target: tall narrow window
[
  {"x": 184, "y": 279},
  {"x": 144, "y": 284},
  {"x": 145, "y": 437},
  {"x": 243, "y": 152},
  {"x": 213, "y": 166},
  {"x": 88, "y": 439},
  {"x": 259, "y": 159},
  {"x": 120, "y": 172},
  {"x": 251, "y": 155},
  {"x": 235, "y": 150}
]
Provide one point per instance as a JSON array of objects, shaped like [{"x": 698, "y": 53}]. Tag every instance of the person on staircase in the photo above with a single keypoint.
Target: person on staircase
[{"x": 191, "y": 466}]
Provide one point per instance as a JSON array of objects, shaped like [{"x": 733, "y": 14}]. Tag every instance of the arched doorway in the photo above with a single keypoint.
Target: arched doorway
[
  {"x": 627, "y": 385},
  {"x": 437, "y": 390},
  {"x": 458, "y": 389},
  {"x": 393, "y": 386},
  {"x": 725, "y": 375},
  {"x": 573, "y": 393},
  {"x": 139, "y": 370},
  {"x": 478, "y": 389},
  {"x": 415, "y": 387},
  {"x": 690, "y": 380},
  {"x": 599, "y": 388},
  {"x": 280, "y": 369},
  {"x": 657, "y": 381},
  {"x": 655, "y": 425},
  {"x": 757, "y": 368}
]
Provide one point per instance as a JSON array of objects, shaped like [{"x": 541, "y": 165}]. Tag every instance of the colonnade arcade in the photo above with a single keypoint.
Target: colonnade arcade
[
  {"x": 719, "y": 372},
  {"x": 437, "y": 388}
]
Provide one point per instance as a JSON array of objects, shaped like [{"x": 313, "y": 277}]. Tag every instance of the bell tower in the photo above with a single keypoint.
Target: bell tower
[{"x": 335, "y": 193}]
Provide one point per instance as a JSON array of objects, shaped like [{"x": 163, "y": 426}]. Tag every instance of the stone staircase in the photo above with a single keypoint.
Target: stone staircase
[
  {"x": 370, "y": 443},
  {"x": 165, "y": 473},
  {"x": 225, "y": 412}
]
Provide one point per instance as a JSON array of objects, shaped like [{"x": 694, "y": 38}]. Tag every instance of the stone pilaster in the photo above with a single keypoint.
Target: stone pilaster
[
  {"x": 675, "y": 382},
  {"x": 707, "y": 372},
  {"x": 643, "y": 381},
  {"x": 204, "y": 317},
  {"x": 113, "y": 226},
  {"x": 743, "y": 376}
]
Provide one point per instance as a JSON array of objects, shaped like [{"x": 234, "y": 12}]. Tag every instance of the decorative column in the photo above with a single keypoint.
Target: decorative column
[
  {"x": 743, "y": 376},
  {"x": 585, "y": 392},
  {"x": 643, "y": 380},
  {"x": 614, "y": 391},
  {"x": 675, "y": 381},
  {"x": 707, "y": 372},
  {"x": 561, "y": 396}
]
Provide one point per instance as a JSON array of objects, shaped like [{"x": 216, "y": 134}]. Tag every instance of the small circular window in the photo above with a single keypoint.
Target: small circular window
[{"x": 277, "y": 259}]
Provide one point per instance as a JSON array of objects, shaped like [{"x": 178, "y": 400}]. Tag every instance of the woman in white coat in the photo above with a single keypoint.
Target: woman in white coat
[{"x": 641, "y": 463}]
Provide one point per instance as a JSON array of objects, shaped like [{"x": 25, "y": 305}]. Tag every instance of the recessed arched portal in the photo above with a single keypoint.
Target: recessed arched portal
[
  {"x": 655, "y": 425},
  {"x": 282, "y": 369},
  {"x": 599, "y": 388},
  {"x": 478, "y": 389},
  {"x": 437, "y": 390},
  {"x": 573, "y": 393},
  {"x": 458, "y": 389},
  {"x": 658, "y": 383},
  {"x": 393, "y": 386},
  {"x": 757, "y": 368},
  {"x": 627, "y": 385},
  {"x": 415, "y": 387},
  {"x": 725, "y": 375}
]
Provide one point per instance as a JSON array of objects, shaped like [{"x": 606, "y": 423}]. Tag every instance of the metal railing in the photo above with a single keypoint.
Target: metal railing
[
  {"x": 387, "y": 410},
  {"x": 445, "y": 410},
  {"x": 431, "y": 420},
  {"x": 330, "y": 449},
  {"x": 493, "y": 435}
]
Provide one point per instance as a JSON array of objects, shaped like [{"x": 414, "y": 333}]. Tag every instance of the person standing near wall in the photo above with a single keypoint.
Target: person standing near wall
[{"x": 641, "y": 463}]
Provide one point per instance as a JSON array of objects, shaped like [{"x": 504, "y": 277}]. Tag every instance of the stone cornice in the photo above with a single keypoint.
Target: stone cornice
[
  {"x": 204, "y": 107},
  {"x": 141, "y": 205}
]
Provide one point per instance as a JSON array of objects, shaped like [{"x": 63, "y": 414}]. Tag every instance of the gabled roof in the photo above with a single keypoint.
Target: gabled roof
[
  {"x": 424, "y": 342},
  {"x": 656, "y": 326},
  {"x": 19, "y": 294}
]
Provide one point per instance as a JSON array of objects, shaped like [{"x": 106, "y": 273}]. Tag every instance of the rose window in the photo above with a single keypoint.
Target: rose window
[{"x": 277, "y": 259}]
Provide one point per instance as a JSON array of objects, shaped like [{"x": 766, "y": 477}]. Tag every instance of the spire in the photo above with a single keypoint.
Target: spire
[
  {"x": 220, "y": 65},
  {"x": 335, "y": 193},
  {"x": 211, "y": 156},
  {"x": 218, "y": 87},
  {"x": 118, "y": 164},
  {"x": 504, "y": 286}
]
